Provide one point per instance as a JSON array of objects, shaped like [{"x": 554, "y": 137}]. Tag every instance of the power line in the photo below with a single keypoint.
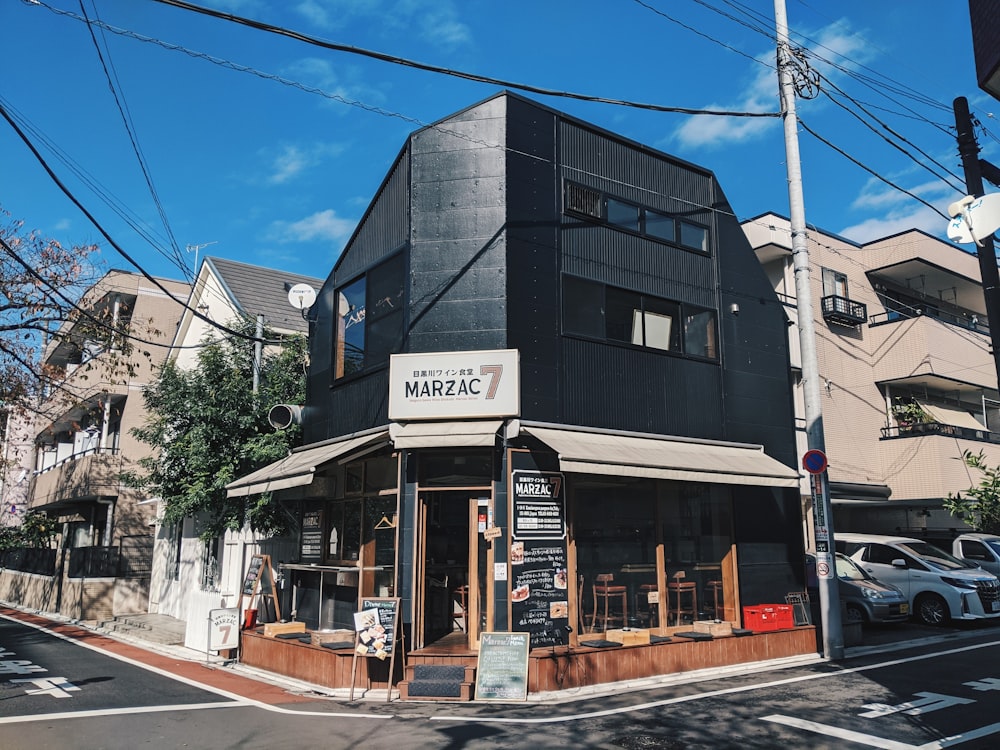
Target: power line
[
  {"x": 315, "y": 41},
  {"x": 93, "y": 220},
  {"x": 119, "y": 96}
]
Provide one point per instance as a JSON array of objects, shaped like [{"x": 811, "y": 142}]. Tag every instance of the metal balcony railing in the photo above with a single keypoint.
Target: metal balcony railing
[
  {"x": 918, "y": 429},
  {"x": 844, "y": 311}
]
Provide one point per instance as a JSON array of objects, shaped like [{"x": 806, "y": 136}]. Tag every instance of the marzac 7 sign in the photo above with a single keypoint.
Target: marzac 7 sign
[{"x": 452, "y": 385}]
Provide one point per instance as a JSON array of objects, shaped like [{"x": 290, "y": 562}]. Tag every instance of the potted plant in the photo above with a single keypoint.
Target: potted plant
[{"x": 908, "y": 413}]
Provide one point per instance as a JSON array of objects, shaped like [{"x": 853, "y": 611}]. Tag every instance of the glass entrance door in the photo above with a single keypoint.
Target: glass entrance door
[{"x": 452, "y": 557}]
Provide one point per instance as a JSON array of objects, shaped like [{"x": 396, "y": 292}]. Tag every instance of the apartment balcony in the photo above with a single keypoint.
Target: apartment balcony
[
  {"x": 925, "y": 461},
  {"x": 81, "y": 477},
  {"x": 844, "y": 311},
  {"x": 926, "y": 351}
]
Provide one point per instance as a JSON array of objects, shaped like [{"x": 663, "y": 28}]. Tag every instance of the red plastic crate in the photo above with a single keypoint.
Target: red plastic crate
[{"x": 764, "y": 617}]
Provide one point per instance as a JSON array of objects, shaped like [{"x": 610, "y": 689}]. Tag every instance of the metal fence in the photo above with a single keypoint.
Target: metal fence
[
  {"x": 29, "y": 560},
  {"x": 132, "y": 558}
]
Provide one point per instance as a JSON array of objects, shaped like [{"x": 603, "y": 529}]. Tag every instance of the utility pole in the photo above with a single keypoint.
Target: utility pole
[
  {"x": 968, "y": 149},
  {"x": 829, "y": 595}
]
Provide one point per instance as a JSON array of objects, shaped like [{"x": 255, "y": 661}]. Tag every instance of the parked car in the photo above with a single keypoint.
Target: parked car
[
  {"x": 978, "y": 549},
  {"x": 938, "y": 586},
  {"x": 862, "y": 597}
]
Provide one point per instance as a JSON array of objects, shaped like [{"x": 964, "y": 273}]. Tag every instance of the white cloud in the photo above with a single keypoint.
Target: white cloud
[
  {"x": 893, "y": 222},
  {"x": 322, "y": 225},
  {"x": 436, "y": 21},
  {"x": 287, "y": 164},
  {"x": 836, "y": 42},
  {"x": 291, "y": 160}
]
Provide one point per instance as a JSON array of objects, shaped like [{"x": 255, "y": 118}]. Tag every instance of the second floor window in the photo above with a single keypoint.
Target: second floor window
[
  {"x": 369, "y": 318},
  {"x": 607, "y": 313},
  {"x": 834, "y": 284}
]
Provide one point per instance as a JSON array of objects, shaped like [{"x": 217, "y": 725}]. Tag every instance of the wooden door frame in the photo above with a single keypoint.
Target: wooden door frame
[{"x": 475, "y": 596}]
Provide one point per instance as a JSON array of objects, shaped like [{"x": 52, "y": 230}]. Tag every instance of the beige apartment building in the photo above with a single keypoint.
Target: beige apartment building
[
  {"x": 907, "y": 378},
  {"x": 83, "y": 442}
]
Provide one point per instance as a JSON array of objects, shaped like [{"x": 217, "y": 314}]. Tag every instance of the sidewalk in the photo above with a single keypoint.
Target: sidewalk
[{"x": 275, "y": 689}]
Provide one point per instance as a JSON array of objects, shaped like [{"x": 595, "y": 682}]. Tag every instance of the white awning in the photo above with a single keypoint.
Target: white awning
[
  {"x": 472, "y": 433},
  {"x": 951, "y": 415},
  {"x": 664, "y": 458},
  {"x": 297, "y": 469}
]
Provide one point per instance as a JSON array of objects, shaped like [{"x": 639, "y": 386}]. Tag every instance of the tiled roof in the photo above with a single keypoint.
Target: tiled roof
[{"x": 264, "y": 291}]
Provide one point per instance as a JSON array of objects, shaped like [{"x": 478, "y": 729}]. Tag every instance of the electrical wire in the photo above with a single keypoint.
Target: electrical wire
[
  {"x": 317, "y": 42},
  {"x": 118, "y": 95},
  {"x": 121, "y": 251}
]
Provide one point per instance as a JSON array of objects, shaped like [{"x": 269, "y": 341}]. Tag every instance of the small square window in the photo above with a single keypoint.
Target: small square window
[
  {"x": 660, "y": 226},
  {"x": 623, "y": 215},
  {"x": 694, "y": 237}
]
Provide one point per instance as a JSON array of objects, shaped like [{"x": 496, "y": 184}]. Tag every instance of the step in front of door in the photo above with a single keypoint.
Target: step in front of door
[{"x": 438, "y": 682}]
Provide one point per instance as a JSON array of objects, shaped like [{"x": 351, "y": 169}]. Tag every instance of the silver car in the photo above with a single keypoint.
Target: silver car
[{"x": 864, "y": 598}]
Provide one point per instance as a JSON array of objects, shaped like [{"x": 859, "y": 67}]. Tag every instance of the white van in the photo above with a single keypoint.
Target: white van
[{"x": 940, "y": 587}]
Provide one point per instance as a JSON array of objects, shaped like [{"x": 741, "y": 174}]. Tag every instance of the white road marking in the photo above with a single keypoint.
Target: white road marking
[
  {"x": 881, "y": 742},
  {"x": 237, "y": 700},
  {"x": 56, "y": 687},
  {"x": 708, "y": 694},
  {"x": 115, "y": 712},
  {"x": 842, "y": 734},
  {"x": 240, "y": 701},
  {"x": 928, "y": 702}
]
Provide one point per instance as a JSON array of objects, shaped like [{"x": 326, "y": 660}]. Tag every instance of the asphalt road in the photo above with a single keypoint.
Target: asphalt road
[{"x": 62, "y": 687}]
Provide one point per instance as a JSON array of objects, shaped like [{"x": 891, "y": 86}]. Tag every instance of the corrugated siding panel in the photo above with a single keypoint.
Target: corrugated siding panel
[
  {"x": 649, "y": 179},
  {"x": 357, "y": 405},
  {"x": 383, "y": 230},
  {"x": 628, "y": 389},
  {"x": 458, "y": 282}
]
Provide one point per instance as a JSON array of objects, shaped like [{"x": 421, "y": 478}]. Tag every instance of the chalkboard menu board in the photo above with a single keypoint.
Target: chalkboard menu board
[
  {"x": 376, "y": 627},
  {"x": 311, "y": 544},
  {"x": 502, "y": 668},
  {"x": 539, "y": 582},
  {"x": 253, "y": 573}
]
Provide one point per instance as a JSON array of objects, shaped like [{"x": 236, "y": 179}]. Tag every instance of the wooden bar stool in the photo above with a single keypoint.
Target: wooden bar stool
[
  {"x": 610, "y": 603},
  {"x": 646, "y": 610},
  {"x": 715, "y": 596},
  {"x": 461, "y": 595},
  {"x": 685, "y": 594}
]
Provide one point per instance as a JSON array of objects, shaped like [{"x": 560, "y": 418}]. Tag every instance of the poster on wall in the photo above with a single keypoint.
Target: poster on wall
[
  {"x": 539, "y": 582},
  {"x": 311, "y": 547}
]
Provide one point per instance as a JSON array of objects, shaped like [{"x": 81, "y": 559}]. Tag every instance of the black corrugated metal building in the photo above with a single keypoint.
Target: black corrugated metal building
[{"x": 650, "y": 432}]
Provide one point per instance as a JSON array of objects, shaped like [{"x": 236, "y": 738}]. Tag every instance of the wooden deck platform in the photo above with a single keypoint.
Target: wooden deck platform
[{"x": 549, "y": 669}]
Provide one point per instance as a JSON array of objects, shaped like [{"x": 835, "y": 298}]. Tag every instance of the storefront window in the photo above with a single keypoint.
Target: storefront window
[
  {"x": 696, "y": 527},
  {"x": 615, "y": 536}
]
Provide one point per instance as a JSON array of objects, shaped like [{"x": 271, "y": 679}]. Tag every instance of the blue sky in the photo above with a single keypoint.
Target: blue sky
[{"x": 266, "y": 149}]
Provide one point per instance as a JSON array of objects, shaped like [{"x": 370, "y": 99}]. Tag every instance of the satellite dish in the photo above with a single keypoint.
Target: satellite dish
[
  {"x": 301, "y": 296},
  {"x": 983, "y": 213}
]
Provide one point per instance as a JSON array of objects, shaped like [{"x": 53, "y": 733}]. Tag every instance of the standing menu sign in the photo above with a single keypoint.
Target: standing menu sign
[
  {"x": 376, "y": 628},
  {"x": 539, "y": 582},
  {"x": 502, "y": 667}
]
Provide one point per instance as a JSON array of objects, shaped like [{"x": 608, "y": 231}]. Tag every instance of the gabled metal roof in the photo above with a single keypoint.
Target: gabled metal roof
[{"x": 263, "y": 291}]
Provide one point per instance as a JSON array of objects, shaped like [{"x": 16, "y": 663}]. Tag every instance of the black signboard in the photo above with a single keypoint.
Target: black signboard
[
  {"x": 502, "y": 668},
  {"x": 539, "y": 581},
  {"x": 539, "y": 508},
  {"x": 253, "y": 573},
  {"x": 311, "y": 545}
]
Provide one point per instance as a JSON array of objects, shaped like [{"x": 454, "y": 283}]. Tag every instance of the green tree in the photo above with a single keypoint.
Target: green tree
[
  {"x": 978, "y": 506},
  {"x": 209, "y": 427},
  {"x": 36, "y": 530}
]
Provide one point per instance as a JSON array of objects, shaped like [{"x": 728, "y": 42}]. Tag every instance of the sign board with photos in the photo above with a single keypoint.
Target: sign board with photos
[
  {"x": 376, "y": 628},
  {"x": 539, "y": 582}
]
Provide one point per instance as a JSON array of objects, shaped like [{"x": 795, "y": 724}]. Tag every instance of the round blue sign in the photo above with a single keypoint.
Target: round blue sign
[{"x": 814, "y": 461}]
